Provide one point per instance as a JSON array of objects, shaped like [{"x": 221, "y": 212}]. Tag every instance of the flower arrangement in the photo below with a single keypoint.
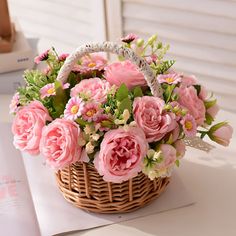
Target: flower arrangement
[{"x": 106, "y": 115}]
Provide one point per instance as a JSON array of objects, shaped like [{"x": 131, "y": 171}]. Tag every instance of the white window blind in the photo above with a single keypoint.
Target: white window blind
[
  {"x": 202, "y": 35},
  {"x": 59, "y": 23}
]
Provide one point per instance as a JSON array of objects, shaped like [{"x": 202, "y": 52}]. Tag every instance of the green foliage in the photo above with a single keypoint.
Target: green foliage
[
  {"x": 59, "y": 100},
  {"x": 163, "y": 66},
  {"x": 168, "y": 92},
  {"x": 35, "y": 80},
  {"x": 125, "y": 104},
  {"x": 210, "y": 103},
  {"x": 137, "y": 92},
  {"x": 122, "y": 92}
]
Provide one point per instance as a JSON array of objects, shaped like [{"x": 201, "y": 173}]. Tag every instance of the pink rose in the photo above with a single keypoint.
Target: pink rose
[
  {"x": 151, "y": 118},
  {"x": 59, "y": 143},
  {"x": 121, "y": 154},
  {"x": 188, "y": 98},
  {"x": 203, "y": 93},
  {"x": 221, "y": 133},
  {"x": 95, "y": 88},
  {"x": 124, "y": 72},
  {"x": 169, "y": 156},
  {"x": 212, "y": 111},
  {"x": 27, "y": 127},
  {"x": 188, "y": 80},
  {"x": 180, "y": 148}
]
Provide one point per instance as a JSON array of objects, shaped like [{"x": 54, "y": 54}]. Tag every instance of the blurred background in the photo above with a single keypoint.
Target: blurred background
[{"x": 202, "y": 33}]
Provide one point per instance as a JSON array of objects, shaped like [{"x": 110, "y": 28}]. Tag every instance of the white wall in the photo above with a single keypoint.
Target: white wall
[{"x": 60, "y": 23}]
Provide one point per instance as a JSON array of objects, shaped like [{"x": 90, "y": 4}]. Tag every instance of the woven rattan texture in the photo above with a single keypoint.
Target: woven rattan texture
[{"x": 81, "y": 185}]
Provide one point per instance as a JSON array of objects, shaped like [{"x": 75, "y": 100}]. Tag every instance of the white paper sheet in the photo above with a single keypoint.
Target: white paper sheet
[
  {"x": 55, "y": 215},
  {"x": 17, "y": 215}
]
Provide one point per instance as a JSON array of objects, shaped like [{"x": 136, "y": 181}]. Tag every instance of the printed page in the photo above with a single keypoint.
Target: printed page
[{"x": 17, "y": 214}]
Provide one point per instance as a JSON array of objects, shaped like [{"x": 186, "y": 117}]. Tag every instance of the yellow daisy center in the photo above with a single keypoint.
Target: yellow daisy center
[
  {"x": 74, "y": 109},
  {"x": 51, "y": 91},
  {"x": 91, "y": 64},
  {"x": 188, "y": 125},
  {"x": 169, "y": 80},
  {"x": 91, "y": 112}
]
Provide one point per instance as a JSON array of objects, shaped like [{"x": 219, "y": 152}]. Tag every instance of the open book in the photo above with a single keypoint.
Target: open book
[{"x": 31, "y": 204}]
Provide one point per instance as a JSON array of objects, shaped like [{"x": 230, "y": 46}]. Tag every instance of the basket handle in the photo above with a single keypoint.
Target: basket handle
[{"x": 115, "y": 48}]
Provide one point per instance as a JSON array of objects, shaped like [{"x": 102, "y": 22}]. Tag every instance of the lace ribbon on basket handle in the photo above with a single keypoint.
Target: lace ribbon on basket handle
[
  {"x": 198, "y": 143},
  {"x": 117, "y": 49}
]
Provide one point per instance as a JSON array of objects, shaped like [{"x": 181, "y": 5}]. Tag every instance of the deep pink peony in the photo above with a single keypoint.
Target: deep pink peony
[
  {"x": 124, "y": 72},
  {"x": 151, "y": 118},
  {"x": 27, "y": 127},
  {"x": 59, "y": 143},
  {"x": 95, "y": 89},
  {"x": 188, "y": 98},
  {"x": 121, "y": 154}
]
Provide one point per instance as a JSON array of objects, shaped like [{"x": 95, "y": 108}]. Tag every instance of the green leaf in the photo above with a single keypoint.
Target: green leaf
[
  {"x": 122, "y": 92},
  {"x": 59, "y": 100},
  {"x": 177, "y": 163},
  {"x": 81, "y": 122},
  {"x": 209, "y": 119},
  {"x": 137, "y": 92},
  {"x": 125, "y": 104},
  {"x": 168, "y": 92},
  {"x": 209, "y": 104}
]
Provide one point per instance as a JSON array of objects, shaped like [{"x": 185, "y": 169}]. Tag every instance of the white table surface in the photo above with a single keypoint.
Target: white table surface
[{"x": 211, "y": 179}]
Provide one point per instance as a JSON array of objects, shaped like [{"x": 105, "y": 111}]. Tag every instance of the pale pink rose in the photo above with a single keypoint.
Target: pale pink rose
[
  {"x": 169, "y": 156},
  {"x": 124, "y": 72},
  {"x": 174, "y": 134},
  {"x": 95, "y": 89},
  {"x": 188, "y": 98},
  {"x": 188, "y": 80},
  {"x": 27, "y": 127},
  {"x": 212, "y": 111},
  {"x": 151, "y": 59},
  {"x": 203, "y": 93},
  {"x": 151, "y": 118},
  {"x": 121, "y": 154},
  {"x": 222, "y": 135},
  {"x": 180, "y": 148},
  {"x": 59, "y": 143}
]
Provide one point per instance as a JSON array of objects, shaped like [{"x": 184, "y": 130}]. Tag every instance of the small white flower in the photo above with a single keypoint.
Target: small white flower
[
  {"x": 95, "y": 137},
  {"x": 89, "y": 148},
  {"x": 126, "y": 115},
  {"x": 88, "y": 129}
]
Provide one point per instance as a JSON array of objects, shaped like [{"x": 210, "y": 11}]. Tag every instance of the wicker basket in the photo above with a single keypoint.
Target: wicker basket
[{"x": 80, "y": 183}]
